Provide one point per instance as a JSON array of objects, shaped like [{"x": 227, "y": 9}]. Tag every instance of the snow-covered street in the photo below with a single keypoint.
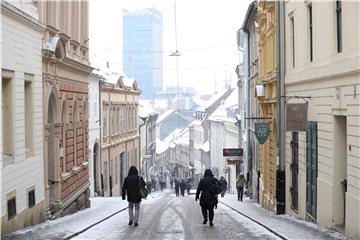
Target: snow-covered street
[{"x": 164, "y": 216}]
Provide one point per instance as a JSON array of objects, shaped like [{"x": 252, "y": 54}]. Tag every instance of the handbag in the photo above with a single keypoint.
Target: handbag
[{"x": 143, "y": 191}]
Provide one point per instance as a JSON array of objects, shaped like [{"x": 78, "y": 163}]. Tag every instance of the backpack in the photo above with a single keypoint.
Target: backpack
[{"x": 215, "y": 188}]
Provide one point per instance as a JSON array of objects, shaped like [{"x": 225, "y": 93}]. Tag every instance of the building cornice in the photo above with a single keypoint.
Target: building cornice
[{"x": 16, "y": 13}]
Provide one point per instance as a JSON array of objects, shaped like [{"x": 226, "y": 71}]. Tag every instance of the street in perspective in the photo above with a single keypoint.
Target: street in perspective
[{"x": 181, "y": 120}]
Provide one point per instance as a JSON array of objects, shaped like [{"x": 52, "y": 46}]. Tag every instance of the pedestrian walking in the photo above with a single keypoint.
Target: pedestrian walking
[
  {"x": 171, "y": 183},
  {"x": 177, "y": 187},
  {"x": 148, "y": 186},
  {"x": 183, "y": 187},
  {"x": 223, "y": 183},
  {"x": 240, "y": 182},
  {"x": 131, "y": 188},
  {"x": 209, "y": 187}
]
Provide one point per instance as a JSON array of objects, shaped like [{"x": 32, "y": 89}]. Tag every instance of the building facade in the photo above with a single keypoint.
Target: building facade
[
  {"x": 143, "y": 46},
  {"x": 66, "y": 71},
  {"x": 119, "y": 133},
  {"x": 95, "y": 165},
  {"x": 21, "y": 140},
  {"x": 147, "y": 143},
  {"x": 268, "y": 103},
  {"x": 322, "y": 161},
  {"x": 223, "y": 133},
  {"x": 252, "y": 65}
]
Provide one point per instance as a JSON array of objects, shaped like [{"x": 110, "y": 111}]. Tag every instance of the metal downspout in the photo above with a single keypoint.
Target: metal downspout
[
  {"x": 280, "y": 44},
  {"x": 101, "y": 139}
]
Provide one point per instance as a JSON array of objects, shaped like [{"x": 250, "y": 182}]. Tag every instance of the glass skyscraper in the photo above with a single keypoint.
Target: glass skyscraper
[{"x": 142, "y": 49}]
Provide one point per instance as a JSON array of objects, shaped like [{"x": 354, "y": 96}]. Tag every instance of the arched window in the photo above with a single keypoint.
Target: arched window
[
  {"x": 64, "y": 121},
  {"x": 75, "y": 118}
]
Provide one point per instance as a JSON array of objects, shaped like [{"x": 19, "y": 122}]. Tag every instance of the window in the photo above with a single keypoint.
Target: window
[
  {"x": 310, "y": 32},
  {"x": 112, "y": 120},
  {"x": 104, "y": 121},
  {"x": 11, "y": 207},
  {"x": 338, "y": 26},
  {"x": 7, "y": 117},
  {"x": 116, "y": 170},
  {"x": 28, "y": 118},
  {"x": 117, "y": 120},
  {"x": 292, "y": 31},
  {"x": 31, "y": 198}
]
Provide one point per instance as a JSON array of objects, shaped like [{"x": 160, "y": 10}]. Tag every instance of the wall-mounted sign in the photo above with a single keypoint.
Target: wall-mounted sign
[
  {"x": 262, "y": 132},
  {"x": 228, "y": 152},
  {"x": 296, "y": 116},
  {"x": 234, "y": 161}
]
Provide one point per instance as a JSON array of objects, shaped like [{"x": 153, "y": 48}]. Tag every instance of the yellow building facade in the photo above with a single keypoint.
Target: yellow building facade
[{"x": 268, "y": 103}]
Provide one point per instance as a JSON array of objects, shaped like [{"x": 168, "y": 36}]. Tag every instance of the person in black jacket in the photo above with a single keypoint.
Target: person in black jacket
[
  {"x": 131, "y": 188},
  {"x": 209, "y": 187}
]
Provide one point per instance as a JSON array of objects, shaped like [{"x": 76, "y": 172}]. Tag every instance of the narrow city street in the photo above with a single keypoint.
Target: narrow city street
[{"x": 165, "y": 216}]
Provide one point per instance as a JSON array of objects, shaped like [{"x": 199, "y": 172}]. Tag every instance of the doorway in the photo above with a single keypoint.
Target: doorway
[
  {"x": 311, "y": 170},
  {"x": 294, "y": 170},
  {"x": 95, "y": 168},
  {"x": 51, "y": 183},
  {"x": 340, "y": 171}
]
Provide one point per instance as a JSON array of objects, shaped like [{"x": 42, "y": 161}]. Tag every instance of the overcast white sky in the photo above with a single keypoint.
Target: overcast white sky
[{"x": 206, "y": 33}]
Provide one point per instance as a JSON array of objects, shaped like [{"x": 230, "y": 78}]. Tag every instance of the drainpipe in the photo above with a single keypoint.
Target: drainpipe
[
  {"x": 280, "y": 62},
  {"x": 101, "y": 138},
  {"x": 141, "y": 160},
  {"x": 109, "y": 135}
]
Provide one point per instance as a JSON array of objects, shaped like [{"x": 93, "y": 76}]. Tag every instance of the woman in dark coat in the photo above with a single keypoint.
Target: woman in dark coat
[
  {"x": 131, "y": 188},
  {"x": 182, "y": 187},
  {"x": 177, "y": 187},
  {"x": 208, "y": 198}
]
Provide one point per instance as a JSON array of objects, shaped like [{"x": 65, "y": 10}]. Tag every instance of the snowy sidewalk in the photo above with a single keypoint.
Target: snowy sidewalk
[
  {"x": 101, "y": 207},
  {"x": 286, "y": 225}
]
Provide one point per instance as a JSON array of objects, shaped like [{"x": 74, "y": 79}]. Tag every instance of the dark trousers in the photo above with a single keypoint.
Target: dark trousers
[
  {"x": 205, "y": 209},
  {"x": 240, "y": 191}
]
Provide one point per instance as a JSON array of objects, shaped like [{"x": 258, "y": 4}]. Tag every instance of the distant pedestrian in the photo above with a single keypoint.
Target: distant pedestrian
[
  {"x": 177, "y": 187},
  {"x": 240, "y": 182},
  {"x": 171, "y": 183},
  {"x": 183, "y": 187},
  {"x": 188, "y": 186},
  {"x": 131, "y": 188},
  {"x": 148, "y": 186},
  {"x": 209, "y": 187},
  {"x": 223, "y": 183}
]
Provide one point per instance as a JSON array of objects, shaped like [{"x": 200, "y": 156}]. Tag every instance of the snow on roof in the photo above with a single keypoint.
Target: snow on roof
[
  {"x": 145, "y": 111},
  {"x": 214, "y": 98},
  {"x": 165, "y": 115},
  {"x": 231, "y": 100},
  {"x": 205, "y": 147},
  {"x": 183, "y": 138},
  {"x": 128, "y": 82},
  {"x": 220, "y": 114},
  {"x": 112, "y": 77},
  {"x": 161, "y": 146},
  {"x": 173, "y": 135}
]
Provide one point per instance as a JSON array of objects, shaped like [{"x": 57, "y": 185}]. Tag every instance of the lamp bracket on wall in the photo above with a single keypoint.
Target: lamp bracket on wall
[
  {"x": 287, "y": 98},
  {"x": 258, "y": 118}
]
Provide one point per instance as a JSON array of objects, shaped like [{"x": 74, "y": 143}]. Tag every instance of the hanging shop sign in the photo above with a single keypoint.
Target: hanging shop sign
[
  {"x": 235, "y": 152},
  {"x": 296, "y": 116},
  {"x": 262, "y": 132}
]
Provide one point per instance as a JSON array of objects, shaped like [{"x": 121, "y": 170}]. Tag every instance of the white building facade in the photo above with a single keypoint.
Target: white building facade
[
  {"x": 323, "y": 162},
  {"x": 223, "y": 133},
  {"x": 147, "y": 131},
  {"x": 95, "y": 165},
  {"x": 21, "y": 144}
]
